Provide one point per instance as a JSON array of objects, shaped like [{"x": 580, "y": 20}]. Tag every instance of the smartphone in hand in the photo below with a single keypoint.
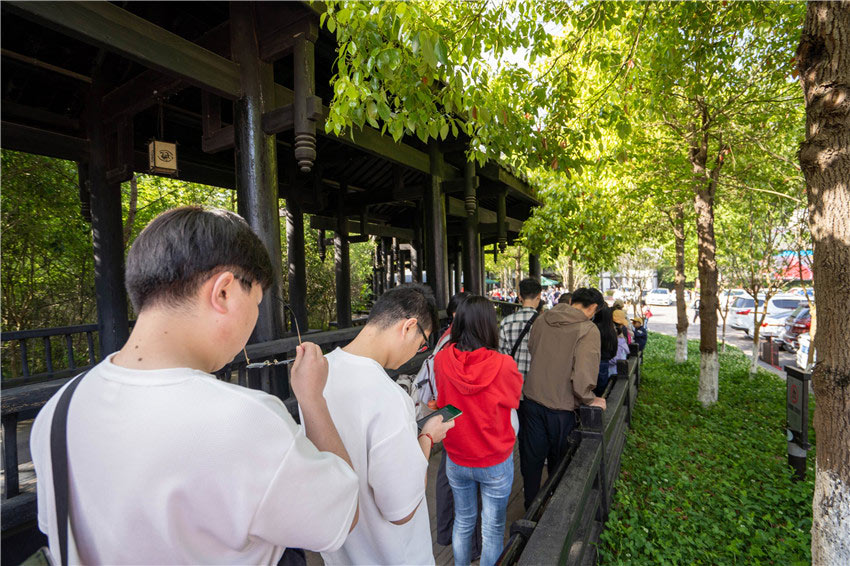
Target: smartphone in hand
[{"x": 449, "y": 413}]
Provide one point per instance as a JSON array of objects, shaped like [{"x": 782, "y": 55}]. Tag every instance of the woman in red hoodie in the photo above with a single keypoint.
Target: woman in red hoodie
[{"x": 474, "y": 377}]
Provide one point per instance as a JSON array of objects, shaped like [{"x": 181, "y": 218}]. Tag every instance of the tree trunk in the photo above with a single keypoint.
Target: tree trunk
[
  {"x": 709, "y": 367},
  {"x": 754, "y": 363},
  {"x": 824, "y": 66},
  {"x": 571, "y": 280},
  {"x": 681, "y": 306}
]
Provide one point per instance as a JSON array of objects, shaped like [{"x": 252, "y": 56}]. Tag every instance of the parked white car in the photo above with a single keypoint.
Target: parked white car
[
  {"x": 660, "y": 297},
  {"x": 778, "y": 309}
]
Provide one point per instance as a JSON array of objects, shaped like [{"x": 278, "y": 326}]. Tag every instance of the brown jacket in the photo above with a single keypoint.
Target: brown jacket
[{"x": 565, "y": 352}]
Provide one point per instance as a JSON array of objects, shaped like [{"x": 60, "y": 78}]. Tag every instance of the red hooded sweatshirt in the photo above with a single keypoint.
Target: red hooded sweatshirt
[{"x": 485, "y": 385}]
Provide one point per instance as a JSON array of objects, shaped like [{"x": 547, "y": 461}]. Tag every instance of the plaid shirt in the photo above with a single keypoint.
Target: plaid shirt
[{"x": 509, "y": 332}]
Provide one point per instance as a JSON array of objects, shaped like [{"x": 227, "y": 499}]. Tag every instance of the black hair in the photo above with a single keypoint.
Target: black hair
[
  {"x": 604, "y": 321},
  {"x": 455, "y": 301},
  {"x": 587, "y": 296},
  {"x": 411, "y": 300},
  {"x": 529, "y": 288},
  {"x": 475, "y": 325},
  {"x": 565, "y": 298},
  {"x": 182, "y": 247}
]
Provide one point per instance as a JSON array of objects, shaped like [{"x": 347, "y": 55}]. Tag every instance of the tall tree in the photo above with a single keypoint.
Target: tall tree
[
  {"x": 705, "y": 69},
  {"x": 823, "y": 63}
]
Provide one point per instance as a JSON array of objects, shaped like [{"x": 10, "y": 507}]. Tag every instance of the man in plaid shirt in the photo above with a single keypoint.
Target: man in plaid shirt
[{"x": 513, "y": 325}]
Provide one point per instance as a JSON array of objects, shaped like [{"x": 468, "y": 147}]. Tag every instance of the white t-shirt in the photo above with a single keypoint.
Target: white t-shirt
[
  {"x": 174, "y": 466},
  {"x": 375, "y": 419}
]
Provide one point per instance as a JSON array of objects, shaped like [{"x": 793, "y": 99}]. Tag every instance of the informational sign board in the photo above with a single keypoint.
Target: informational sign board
[{"x": 797, "y": 403}]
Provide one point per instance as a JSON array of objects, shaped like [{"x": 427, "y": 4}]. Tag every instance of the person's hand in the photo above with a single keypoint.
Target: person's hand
[
  {"x": 599, "y": 402},
  {"x": 437, "y": 428},
  {"x": 309, "y": 372}
]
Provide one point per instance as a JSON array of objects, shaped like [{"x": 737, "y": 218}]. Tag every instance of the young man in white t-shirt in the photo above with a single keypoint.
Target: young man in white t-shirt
[
  {"x": 169, "y": 465},
  {"x": 376, "y": 421}
]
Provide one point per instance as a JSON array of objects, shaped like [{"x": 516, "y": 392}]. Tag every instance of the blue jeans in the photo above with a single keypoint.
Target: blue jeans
[{"x": 495, "y": 482}]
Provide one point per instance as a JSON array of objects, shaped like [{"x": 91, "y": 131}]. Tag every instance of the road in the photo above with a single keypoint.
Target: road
[{"x": 664, "y": 321}]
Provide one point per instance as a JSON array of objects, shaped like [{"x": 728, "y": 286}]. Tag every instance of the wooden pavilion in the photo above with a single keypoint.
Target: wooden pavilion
[{"x": 242, "y": 89}]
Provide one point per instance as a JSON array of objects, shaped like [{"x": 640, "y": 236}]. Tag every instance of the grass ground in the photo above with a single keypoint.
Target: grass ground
[{"x": 708, "y": 486}]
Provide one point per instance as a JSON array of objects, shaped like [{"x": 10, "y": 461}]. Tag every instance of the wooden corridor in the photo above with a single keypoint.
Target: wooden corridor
[{"x": 443, "y": 554}]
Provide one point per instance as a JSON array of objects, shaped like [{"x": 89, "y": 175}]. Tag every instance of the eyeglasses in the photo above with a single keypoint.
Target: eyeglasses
[
  {"x": 275, "y": 362},
  {"x": 424, "y": 346}
]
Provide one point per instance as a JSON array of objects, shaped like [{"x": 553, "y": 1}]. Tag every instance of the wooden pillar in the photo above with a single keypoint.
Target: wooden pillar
[
  {"x": 342, "y": 264},
  {"x": 416, "y": 251},
  {"x": 458, "y": 265},
  {"x": 435, "y": 228},
  {"x": 107, "y": 235},
  {"x": 534, "y": 266},
  {"x": 472, "y": 238},
  {"x": 256, "y": 167},
  {"x": 501, "y": 220},
  {"x": 297, "y": 261}
]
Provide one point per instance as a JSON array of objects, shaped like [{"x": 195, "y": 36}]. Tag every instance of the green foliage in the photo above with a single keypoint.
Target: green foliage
[
  {"x": 48, "y": 264},
  {"x": 707, "y": 486}
]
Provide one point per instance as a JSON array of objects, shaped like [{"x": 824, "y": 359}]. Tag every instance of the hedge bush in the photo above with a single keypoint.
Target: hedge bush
[{"x": 708, "y": 486}]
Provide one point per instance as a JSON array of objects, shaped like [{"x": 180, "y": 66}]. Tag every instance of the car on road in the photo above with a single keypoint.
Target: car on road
[
  {"x": 661, "y": 297},
  {"x": 778, "y": 309}
]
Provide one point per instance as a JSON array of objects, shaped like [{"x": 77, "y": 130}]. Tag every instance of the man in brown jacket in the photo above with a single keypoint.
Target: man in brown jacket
[{"x": 565, "y": 353}]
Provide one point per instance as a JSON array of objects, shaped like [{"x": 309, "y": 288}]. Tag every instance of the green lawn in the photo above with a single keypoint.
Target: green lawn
[{"x": 707, "y": 486}]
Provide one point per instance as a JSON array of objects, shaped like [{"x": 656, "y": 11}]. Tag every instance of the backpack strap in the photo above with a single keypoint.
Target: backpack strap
[
  {"x": 523, "y": 333},
  {"x": 59, "y": 461}
]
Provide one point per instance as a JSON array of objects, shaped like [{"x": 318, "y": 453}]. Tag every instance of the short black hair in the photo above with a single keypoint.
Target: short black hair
[
  {"x": 565, "y": 298},
  {"x": 529, "y": 288},
  {"x": 475, "y": 325},
  {"x": 184, "y": 246},
  {"x": 587, "y": 296},
  {"x": 455, "y": 301},
  {"x": 411, "y": 300}
]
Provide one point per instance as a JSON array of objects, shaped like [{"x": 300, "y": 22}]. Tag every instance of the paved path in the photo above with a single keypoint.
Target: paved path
[{"x": 664, "y": 321}]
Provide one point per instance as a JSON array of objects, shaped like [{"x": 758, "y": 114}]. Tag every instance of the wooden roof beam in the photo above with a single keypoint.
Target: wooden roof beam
[
  {"x": 457, "y": 208},
  {"x": 115, "y": 29},
  {"x": 43, "y": 142},
  {"x": 354, "y": 226}
]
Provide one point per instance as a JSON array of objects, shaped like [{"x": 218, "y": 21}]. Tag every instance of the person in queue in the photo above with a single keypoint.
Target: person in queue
[
  {"x": 377, "y": 425},
  {"x": 608, "y": 347},
  {"x": 485, "y": 385},
  {"x": 169, "y": 465},
  {"x": 565, "y": 349},
  {"x": 426, "y": 381},
  {"x": 513, "y": 331}
]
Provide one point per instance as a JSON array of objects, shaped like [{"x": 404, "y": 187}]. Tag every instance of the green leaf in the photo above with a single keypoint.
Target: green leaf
[
  {"x": 441, "y": 51},
  {"x": 428, "y": 54},
  {"x": 444, "y": 130}
]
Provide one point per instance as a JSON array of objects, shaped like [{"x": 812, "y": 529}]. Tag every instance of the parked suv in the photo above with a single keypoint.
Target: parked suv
[
  {"x": 778, "y": 309},
  {"x": 798, "y": 322}
]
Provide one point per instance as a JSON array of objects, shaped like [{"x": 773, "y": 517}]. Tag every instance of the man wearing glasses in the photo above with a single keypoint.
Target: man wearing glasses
[{"x": 376, "y": 421}]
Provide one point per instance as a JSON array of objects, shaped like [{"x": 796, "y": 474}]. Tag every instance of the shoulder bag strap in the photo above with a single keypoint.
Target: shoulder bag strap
[
  {"x": 523, "y": 333},
  {"x": 59, "y": 461}
]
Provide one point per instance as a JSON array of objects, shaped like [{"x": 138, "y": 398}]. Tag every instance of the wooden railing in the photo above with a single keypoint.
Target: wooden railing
[
  {"x": 23, "y": 402},
  {"x": 563, "y": 523}
]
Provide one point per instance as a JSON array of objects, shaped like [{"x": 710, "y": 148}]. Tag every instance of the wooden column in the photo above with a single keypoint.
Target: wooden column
[
  {"x": 398, "y": 270},
  {"x": 472, "y": 239},
  {"x": 534, "y": 266},
  {"x": 256, "y": 165},
  {"x": 501, "y": 220},
  {"x": 342, "y": 264},
  {"x": 297, "y": 262},
  {"x": 458, "y": 265},
  {"x": 435, "y": 228},
  {"x": 416, "y": 251},
  {"x": 107, "y": 235}
]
